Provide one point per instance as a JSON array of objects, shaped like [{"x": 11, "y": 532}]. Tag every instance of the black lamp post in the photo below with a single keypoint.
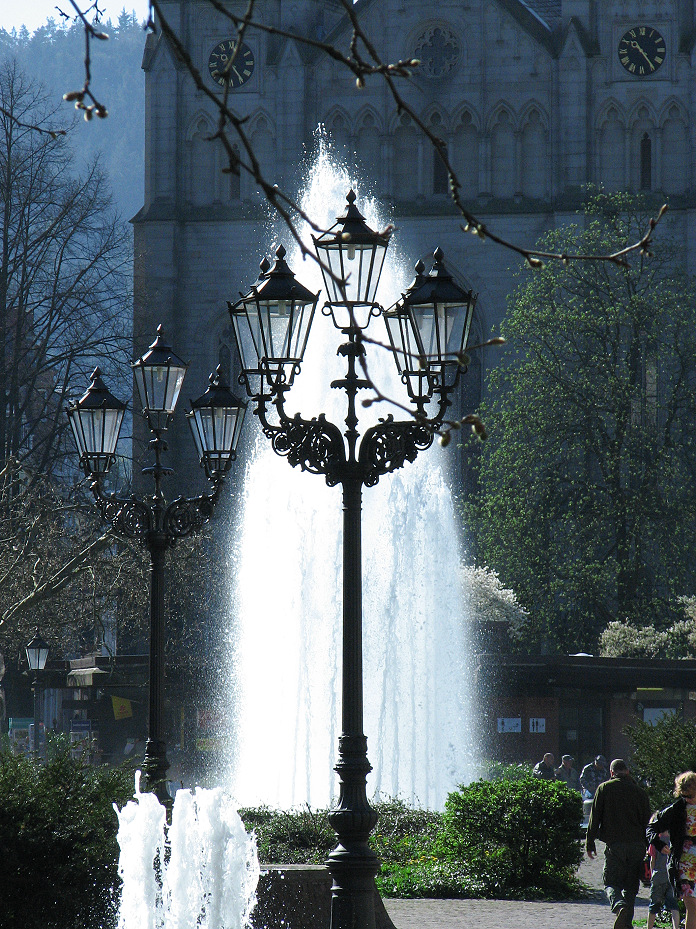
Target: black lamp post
[
  {"x": 216, "y": 421},
  {"x": 428, "y": 330},
  {"x": 37, "y": 654}
]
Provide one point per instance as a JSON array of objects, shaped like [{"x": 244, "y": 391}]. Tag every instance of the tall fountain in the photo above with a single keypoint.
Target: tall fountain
[{"x": 285, "y": 637}]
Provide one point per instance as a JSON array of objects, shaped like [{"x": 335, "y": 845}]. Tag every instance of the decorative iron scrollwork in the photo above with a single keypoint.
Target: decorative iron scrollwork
[
  {"x": 184, "y": 517},
  {"x": 136, "y": 518},
  {"x": 129, "y": 515},
  {"x": 389, "y": 445},
  {"x": 315, "y": 445}
]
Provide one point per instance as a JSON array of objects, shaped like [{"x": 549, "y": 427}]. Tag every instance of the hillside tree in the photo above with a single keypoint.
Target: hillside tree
[{"x": 64, "y": 307}]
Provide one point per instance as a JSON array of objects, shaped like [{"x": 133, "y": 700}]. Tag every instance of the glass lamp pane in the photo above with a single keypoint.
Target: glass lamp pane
[
  {"x": 37, "y": 653},
  {"x": 96, "y": 421},
  {"x": 271, "y": 323},
  {"x": 354, "y": 255},
  {"x": 159, "y": 375},
  {"x": 216, "y": 420}
]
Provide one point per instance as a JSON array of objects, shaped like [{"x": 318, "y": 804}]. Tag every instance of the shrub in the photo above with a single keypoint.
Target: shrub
[
  {"x": 58, "y": 839},
  {"x": 301, "y": 836},
  {"x": 518, "y": 837},
  {"x": 499, "y": 771}
]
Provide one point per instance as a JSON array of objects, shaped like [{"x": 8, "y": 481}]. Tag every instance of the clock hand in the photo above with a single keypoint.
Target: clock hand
[{"x": 637, "y": 45}]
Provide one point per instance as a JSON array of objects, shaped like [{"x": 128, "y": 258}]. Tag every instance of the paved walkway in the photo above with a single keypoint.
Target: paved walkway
[{"x": 593, "y": 913}]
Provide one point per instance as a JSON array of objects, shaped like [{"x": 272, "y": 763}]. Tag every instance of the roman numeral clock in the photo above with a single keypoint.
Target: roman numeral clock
[
  {"x": 642, "y": 51},
  {"x": 224, "y": 65}
]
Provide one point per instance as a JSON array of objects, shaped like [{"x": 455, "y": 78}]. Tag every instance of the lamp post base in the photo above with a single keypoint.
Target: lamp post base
[
  {"x": 353, "y": 865},
  {"x": 353, "y": 889},
  {"x": 155, "y": 767}
]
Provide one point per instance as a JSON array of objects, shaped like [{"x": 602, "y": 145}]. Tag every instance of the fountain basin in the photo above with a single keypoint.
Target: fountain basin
[{"x": 298, "y": 896}]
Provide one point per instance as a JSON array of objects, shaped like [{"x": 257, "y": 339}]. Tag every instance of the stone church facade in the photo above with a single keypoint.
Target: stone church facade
[{"x": 534, "y": 100}]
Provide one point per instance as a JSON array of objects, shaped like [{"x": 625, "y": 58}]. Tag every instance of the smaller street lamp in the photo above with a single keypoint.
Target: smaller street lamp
[
  {"x": 37, "y": 655},
  {"x": 216, "y": 422}
]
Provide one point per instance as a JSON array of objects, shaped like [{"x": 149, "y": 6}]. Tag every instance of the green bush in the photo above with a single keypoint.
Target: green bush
[
  {"x": 499, "y": 771},
  {"x": 520, "y": 838},
  {"x": 432, "y": 878},
  {"x": 301, "y": 836},
  {"x": 58, "y": 839}
]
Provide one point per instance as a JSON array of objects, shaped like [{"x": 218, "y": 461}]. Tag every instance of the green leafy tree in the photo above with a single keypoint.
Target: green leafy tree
[
  {"x": 58, "y": 838},
  {"x": 660, "y": 752},
  {"x": 587, "y": 502}
]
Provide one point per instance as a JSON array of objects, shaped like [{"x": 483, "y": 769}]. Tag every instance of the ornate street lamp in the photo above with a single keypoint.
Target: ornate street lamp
[
  {"x": 37, "y": 655},
  {"x": 352, "y": 256},
  {"x": 215, "y": 420},
  {"x": 428, "y": 331}
]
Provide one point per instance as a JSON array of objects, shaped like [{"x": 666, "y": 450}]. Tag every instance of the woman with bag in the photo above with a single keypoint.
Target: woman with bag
[{"x": 679, "y": 820}]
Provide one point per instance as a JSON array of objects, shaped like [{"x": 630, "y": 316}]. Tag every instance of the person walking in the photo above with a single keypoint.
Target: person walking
[
  {"x": 619, "y": 817},
  {"x": 679, "y": 820},
  {"x": 545, "y": 768},
  {"x": 566, "y": 772},
  {"x": 661, "y": 892},
  {"x": 592, "y": 776}
]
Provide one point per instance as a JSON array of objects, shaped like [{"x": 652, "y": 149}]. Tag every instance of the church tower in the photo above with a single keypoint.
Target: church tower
[{"x": 534, "y": 100}]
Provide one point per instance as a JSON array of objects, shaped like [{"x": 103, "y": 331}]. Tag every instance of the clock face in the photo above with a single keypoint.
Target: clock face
[
  {"x": 642, "y": 50},
  {"x": 241, "y": 70}
]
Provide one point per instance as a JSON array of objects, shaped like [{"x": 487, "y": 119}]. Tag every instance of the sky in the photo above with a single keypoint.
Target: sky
[{"x": 34, "y": 13}]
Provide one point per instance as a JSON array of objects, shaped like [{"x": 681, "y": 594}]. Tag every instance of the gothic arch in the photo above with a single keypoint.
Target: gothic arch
[
  {"x": 438, "y": 113},
  {"x": 405, "y": 141},
  {"x": 261, "y": 133},
  {"x": 368, "y": 145},
  {"x": 675, "y": 151},
  {"x": 503, "y": 131},
  {"x": 611, "y": 145},
  {"x": 465, "y": 152},
  {"x": 603, "y": 114},
  {"x": 436, "y": 176},
  {"x": 463, "y": 110},
  {"x": 641, "y": 111},
  {"x": 257, "y": 120},
  {"x": 201, "y": 158},
  {"x": 199, "y": 122},
  {"x": 532, "y": 106},
  {"x": 534, "y": 145},
  {"x": 673, "y": 107},
  {"x": 643, "y": 146},
  {"x": 223, "y": 351},
  {"x": 337, "y": 123},
  {"x": 369, "y": 113},
  {"x": 495, "y": 114}
]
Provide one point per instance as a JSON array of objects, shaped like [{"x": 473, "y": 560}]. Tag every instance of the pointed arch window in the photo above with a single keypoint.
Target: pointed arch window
[
  {"x": 646, "y": 162},
  {"x": 235, "y": 180},
  {"x": 439, "y": 172}
]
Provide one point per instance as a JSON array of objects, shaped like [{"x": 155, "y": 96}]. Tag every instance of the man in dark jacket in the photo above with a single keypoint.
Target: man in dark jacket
[
  {"x": 592, "y": 776},
  {"x": 545, "y": 768},
  {"x": 619, "y": 817}
]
